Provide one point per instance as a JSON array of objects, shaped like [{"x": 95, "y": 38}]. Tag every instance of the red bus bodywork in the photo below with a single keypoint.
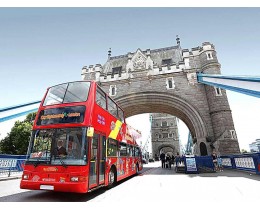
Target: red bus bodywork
[{"x": 97, "y": 166}]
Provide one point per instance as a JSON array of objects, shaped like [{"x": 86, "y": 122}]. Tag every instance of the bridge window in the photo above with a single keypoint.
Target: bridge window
[
  {"x": 218, "y": 91},
  {"x": 233, "y": 134},
  {"x": 165, "y": 135},
  {"x": 164, "y": 123},
  {"x": 112, "y": 90},
  {"x": 170, "y": 83},
  {"x": 170, "y": 135},
  {"x": 166, "y": 61},
  {"x": 117, "y": 70},
  {"x": 209, "y": 56}
]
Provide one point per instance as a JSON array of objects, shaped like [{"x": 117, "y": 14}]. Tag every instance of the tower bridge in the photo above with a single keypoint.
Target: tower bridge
[{"x": 165, "y": 80}]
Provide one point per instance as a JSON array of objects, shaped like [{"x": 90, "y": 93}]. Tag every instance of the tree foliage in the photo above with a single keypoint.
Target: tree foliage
[
  {"x": 244, "y": 151},
  {"x": 16, "y": 142}
]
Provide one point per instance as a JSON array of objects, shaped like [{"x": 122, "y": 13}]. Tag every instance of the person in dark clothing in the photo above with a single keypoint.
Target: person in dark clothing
[
  {"x": 177, "y": 159},
  {"x": 168, "y": 161},
  {"x": 162, "y": 158},
  {"x": 173, "y": 158},
  {"x": 215, "y": 161},
  {"x": 61, "y": 150}
]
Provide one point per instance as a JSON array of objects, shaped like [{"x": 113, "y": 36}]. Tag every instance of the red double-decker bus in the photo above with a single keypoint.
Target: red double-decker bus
[{"x": 79, "y": 141}]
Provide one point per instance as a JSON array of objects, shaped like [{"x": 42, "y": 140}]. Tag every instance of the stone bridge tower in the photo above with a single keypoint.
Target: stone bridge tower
[
  {"x": 164, "y": 133},
  {"x": 148, "y": 81}
]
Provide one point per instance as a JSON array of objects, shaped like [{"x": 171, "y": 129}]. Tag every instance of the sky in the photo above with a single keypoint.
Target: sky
[{"x": 42, "y": 47}]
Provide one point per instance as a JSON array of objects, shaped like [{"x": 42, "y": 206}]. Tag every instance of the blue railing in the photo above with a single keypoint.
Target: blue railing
[
  {"x": 11, "y": 163},
  {"x": 245, "y": 162},
  {"x": 204, "y": 161}
]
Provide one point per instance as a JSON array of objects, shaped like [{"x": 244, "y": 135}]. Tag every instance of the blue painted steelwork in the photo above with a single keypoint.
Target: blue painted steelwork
[
  {"x": 17, "y": 115},
  {"x": 254, "y": 82},
  {"x": 189, "y": 144},
  {"x": 19, "y": 106}
]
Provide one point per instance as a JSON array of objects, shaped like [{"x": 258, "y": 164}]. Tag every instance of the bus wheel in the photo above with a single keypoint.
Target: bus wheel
[
  {"x": 136, "y": 169},
  {"x": 111, "y": 178}
]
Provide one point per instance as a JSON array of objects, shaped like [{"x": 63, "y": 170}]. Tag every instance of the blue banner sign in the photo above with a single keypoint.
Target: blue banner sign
[{"x": 191, "y": 164}]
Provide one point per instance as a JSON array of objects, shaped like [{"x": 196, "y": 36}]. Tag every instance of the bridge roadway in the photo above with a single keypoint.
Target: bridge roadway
[{"x": 153, "y": 188}]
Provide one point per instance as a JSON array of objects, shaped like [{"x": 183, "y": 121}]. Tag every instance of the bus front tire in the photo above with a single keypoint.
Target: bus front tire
[{"x": 136, "y": 169}]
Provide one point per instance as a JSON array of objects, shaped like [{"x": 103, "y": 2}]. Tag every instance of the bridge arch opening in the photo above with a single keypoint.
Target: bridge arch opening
[
  {"x": 167, "y": 149},
  {"x": 157, "y": 102}
]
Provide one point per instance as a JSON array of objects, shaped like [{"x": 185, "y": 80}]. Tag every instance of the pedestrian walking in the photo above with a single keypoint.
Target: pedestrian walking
[
  {"x": 168, "y": 161},
  {"x": 162, "y": 158},
  {"x": 215, "y": 161},
  {"x": 220, "y": 167}
]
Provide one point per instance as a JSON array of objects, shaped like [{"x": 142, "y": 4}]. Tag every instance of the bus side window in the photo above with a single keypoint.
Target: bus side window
[
  {"x": 112, "y": 107},
  {"x": 129, "y": 150},
  {"x": 94, "y": 147},
  {"x": 112, "y": 148},
  {"x": 120, "y": 114},
  {"x": 137, "y": 152},
  {"x": 101, "y": 99},
  {"x": 122, "y": 149}
]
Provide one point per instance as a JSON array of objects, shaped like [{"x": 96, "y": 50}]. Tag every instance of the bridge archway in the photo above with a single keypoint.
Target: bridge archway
[
  {"x": 152, "y": 102},
  {"x": 165, "y": 146}
]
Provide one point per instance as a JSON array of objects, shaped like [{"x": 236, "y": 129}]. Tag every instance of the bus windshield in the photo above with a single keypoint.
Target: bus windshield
[
  {"x": 58, "y": 146},
  {"x": 67, "y": 93}
]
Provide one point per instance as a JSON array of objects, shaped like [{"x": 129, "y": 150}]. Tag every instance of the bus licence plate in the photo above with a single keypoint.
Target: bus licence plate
[{"x": 46, "y": 187}]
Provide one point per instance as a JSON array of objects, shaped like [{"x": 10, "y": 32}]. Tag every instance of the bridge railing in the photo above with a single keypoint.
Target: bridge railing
[
  {"x": 204, "y": 163},
  {"x": 245, "y": 162},
  {"x": 10, "y": 164}
]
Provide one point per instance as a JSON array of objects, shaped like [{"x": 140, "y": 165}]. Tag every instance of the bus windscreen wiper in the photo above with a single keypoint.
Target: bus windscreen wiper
[
  {"x": 62, "y": 162},
  {"x": 36, "y": 163}
]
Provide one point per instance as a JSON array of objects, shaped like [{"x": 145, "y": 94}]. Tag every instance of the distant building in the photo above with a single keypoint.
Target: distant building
[
  {"x": 164, "y": 133},
  {"x": 255, "y": 146}
]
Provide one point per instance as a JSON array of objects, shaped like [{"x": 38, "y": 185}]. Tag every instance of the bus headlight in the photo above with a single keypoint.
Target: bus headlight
[{"x": 25, "y": 176}]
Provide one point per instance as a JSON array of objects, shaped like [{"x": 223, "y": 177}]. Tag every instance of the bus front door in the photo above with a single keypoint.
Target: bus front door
[{"x": 97, "y": 160}]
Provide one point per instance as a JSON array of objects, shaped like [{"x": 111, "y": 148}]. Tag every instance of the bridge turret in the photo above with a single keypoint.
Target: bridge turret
[
  {"x": 225, "y": 139},
  {"x": 91, "y": 72},
  {"x": 208, "y": 58}
]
